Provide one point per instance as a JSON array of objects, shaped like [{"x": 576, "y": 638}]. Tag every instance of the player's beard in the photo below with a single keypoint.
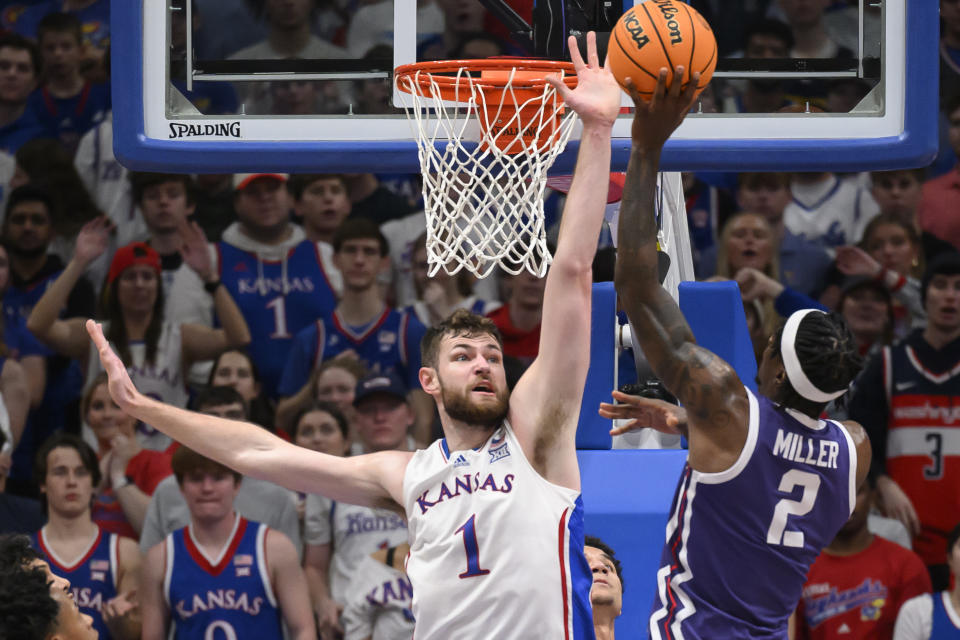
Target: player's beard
[{"x": 459, "y": 406}]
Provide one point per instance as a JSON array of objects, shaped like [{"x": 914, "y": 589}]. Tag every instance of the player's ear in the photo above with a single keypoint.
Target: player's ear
[{"x": 429, "y": 380}]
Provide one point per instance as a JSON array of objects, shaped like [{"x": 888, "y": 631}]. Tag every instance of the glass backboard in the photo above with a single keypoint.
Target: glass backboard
[{"x": 240, "y": 85}]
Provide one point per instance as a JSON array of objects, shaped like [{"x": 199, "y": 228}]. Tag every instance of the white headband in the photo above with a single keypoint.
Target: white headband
[{"x": 791, "y": 364}]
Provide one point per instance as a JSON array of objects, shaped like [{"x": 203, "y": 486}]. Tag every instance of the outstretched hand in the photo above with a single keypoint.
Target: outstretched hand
[
  {"x": 854, "y": 261},
  {"x": 643, "y": 413},
  {"x": 194, "y": 250},
  {"x": 121, "y": 388},
  {"x": 93, "y": 240},
  {"x": 597, "y": 96},
  {"x": 656, "y": 119}
]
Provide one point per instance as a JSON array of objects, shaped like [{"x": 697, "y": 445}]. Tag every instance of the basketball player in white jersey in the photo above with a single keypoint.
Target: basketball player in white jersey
[{"x": 494, "y": 512}]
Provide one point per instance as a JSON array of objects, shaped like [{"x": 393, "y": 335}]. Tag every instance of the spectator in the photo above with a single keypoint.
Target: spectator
[
  {"x": 235, "y": 369},
  {"x": 94, "y": 17},
  {"x": 904, "y": 399},
  {"x": 108, "y": 183},
  {"x": 46, "y": 165},
  {"x": 803, "y": 264},
  {"x": 320, "y": 427},
  {"x": 322, "y": 202},
  {"x": 103, "y": 568},
  {"x": 55, "y": 382},
  {"x": 339, "y": 538},
  {"x": 371, "y": 199},
  {"x": 708, "y": 208},
  {"x": 157, "y": 351},
  {"x": 372, "y": 25},
  {"x": 257, "y": 500},
  {"x": 209, "y": 98},
  {"x": 938, "y": 199},
  {"x": 34, "y": 603},
  {"x": 867, "y": 307},
  {"x": 131, "y": 473},
  {"x": 300, "y": 98},
  {"x": 288, "y": 36},
  {"x": 362, "y": 326},
  {"x": 215, "y": 212},
  {"x": 181, "y": 572},
  {"x": 166, "y": 204},
  {"x": 519, "y": 318},
  {"x": 936, "y": 616},
  {"x": 762, "y": 39},
  {"x": 20, "y": 73},
  {"x": 856, "y": 586},
  {"x": 17, "y": 514},
  {"x": 375, "y": 95},
  {"x": 441, "y": 294},
  {"x": 827, "y": 210},
  {"x": 811, "y": 38},
  {"x": 67, "y": 104},
  {"x": 461, "y": 18},
  {"x": 379, "y": 601},
  {"x": 893, "y": 255},
  {"x": 281, "y": 281},
  {"x": 334, "y": 381},
  {"x": 606, "y": 595},
  {"x": 949, "y": 51},
  {"x": 898, "y": 192}
]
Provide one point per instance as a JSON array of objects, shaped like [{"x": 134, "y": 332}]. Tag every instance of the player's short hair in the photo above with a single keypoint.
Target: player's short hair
[
  {"x": 29, "y": 193},
  {"x": 326, "y": 407},
  {"x": 769, "y": 179},
  {"x": 19, "y": 43},
  {"x": 61, "y": 439},
  {"x": 947, "y": 264},
  {"x": 16, "y": 551},
  {"x": 360, "y": 229},
  {"x": 597, "y": 543},
  {"x": 218, "y": 396},
  {"x": 299, "y": 182},
  {"x": 186, "y": 461},
  {"x": 140, "y": 181},
  {"x": 58, "y": 22},
  {"x": 827, "y": 352},
  {"x": 460, "y": 323},
  {"x": 27, "y": 609}
]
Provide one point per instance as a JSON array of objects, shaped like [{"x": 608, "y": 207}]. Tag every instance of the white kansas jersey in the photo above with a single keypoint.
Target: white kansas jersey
[{"x": 496, "y": 551}]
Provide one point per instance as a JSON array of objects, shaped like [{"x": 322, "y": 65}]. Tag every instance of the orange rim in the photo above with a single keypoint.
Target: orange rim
[{"x": 494, "y": 74}]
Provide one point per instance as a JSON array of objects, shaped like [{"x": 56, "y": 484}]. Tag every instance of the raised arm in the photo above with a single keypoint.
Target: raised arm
[
  {"x": 546, "y": 401},
  {"x": 200, "y": 342},
  {"x": 374, "y": 480},
  {"x": 67, "y": 337},
  {"x": 709, "y": 389}
]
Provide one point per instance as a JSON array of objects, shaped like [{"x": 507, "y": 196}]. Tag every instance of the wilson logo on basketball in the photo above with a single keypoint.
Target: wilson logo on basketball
[
  {"x": 669, "y": 12},
  {"x": 635, "y": 29}
]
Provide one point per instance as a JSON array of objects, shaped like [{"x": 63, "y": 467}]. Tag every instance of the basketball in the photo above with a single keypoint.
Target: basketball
[{"x": 661, "y": 33}]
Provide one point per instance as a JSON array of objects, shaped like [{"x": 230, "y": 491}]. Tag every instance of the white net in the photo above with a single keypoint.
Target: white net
[{"x": 484, "y": 153}]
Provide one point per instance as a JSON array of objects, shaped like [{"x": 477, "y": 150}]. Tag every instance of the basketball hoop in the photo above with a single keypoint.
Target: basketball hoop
[{"x": 503, "y": 127}]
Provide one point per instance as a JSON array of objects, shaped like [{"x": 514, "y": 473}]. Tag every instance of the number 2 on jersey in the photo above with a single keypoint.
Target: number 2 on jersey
[
  {"x": 469, "y": 531},
  {"x": 786, "y": 507}
]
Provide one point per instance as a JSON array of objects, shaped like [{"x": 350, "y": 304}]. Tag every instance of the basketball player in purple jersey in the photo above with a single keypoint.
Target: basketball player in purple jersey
[
  {"x": 494, "y": 509},
  {"x": 767, "y": 484}
]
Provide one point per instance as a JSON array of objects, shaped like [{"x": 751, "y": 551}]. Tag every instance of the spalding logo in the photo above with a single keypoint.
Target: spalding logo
[
  {"x": 669, "y": 12},
  {"x": 633, "y": 27}
]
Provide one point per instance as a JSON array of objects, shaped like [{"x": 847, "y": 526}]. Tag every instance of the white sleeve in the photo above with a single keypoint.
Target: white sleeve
[
  {"x": 83, "y": 160},
  {"x": 915, "y": 620},
  {"x": 325, "y": 250},
  {"x": 316, "y": 521},
  {"x": 357, "y": 619}
]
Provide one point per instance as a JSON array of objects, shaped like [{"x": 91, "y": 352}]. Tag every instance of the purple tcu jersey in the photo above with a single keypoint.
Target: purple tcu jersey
[
  {"x": 93, "y": 577},
  {"x": 277, "y": 299},
  {"x": 739, "y": 542},
  {"x": 225, "y": 598},
  {"x": 391, "y": 343}
]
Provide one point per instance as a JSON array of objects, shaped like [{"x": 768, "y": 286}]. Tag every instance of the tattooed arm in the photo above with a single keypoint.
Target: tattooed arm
[{"x": 709, "y": 389}]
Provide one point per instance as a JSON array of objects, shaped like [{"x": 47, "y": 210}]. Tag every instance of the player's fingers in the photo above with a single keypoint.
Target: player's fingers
[
  {"x": 674, "y": 90},
  {"x": 559, "y": 85},
  {"x": 633, "y": 425},
  {"x": 592, "y": 58},
  {"x": 575, "y": 56},
  {"x": 690, "y": 92},
  {"x": 660, "y": 91}
]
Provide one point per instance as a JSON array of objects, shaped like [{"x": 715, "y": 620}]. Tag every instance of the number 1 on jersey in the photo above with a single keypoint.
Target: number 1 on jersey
[
  {"x": 279, "y": 317},
  {"x": 469, "y": 530}
]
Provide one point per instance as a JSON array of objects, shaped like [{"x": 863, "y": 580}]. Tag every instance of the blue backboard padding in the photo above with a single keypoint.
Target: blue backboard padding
[
  {"x": 915, "y": 147},
  {"x": 593, "y": 431},
  {"x": 626, "y": 498},
  {"x": 714, "y": 312}
]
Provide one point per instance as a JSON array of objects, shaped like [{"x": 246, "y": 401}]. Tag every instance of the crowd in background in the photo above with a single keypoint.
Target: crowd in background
[{"x": 298, "y": 301}]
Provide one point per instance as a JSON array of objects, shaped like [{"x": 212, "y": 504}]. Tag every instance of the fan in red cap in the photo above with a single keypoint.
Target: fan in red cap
[{"x": 133, "y": 253}]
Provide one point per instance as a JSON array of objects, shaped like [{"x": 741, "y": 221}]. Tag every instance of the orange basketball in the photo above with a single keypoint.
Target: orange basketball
[{"x": 661, "y": 33}]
